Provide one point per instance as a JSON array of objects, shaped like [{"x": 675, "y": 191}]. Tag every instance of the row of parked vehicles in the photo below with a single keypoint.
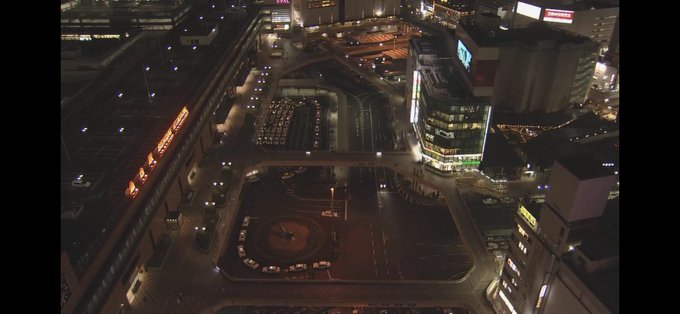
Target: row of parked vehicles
[{"x": 292, "y": 268}]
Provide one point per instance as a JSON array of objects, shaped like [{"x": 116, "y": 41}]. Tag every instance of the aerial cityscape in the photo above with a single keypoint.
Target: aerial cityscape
[{"x": 340, "y": 156}]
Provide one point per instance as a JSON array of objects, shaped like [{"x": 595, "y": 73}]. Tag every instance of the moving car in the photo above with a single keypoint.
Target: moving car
[{"x": 242, "y": 235}]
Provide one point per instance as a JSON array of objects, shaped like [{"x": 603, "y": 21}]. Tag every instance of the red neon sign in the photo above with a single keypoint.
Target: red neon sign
[{"x": 558, "y": 16}]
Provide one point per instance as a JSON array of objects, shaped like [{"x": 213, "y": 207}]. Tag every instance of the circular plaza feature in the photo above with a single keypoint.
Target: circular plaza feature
[{"x": 288, "y": 239}]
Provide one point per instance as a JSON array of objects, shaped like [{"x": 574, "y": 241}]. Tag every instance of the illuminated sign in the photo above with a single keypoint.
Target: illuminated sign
[
  {"x": 471, "y": 162},
  {"x": 529, "y": 10},
  {"x": 282, "y": 1},
  {"x": 464, "y": 55},
  {"x": 165, "y": 142},
  {"x": 160, "y": 149},
  {"x": 541, "y": 295},
  {"x": 558, "y": 16},
  {"x": 150, "y": 161},
  {"x": 107, "y": 36},
  {"x": 142, "y": 175},
  {"x": 527, "y": 216},
  {"x": 132, "y": 190},
  {"x": 415, "y": 96},
  {"x": 180, "y": 119}
]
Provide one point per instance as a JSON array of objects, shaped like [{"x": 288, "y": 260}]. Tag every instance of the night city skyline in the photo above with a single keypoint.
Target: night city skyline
[{"x": 339, "y": 156}]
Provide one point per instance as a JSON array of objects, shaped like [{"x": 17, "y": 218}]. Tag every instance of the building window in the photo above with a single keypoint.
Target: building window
[
  {"x": 506, "y": 286},
  {"x": 524, "y": 234},
  {"x": 514, "y": 267},
  {"x": 522, "y": 247},
  {"x": 320, "y": 4}
]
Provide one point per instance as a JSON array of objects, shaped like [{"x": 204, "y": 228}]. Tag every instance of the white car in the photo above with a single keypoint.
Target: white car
[
  {"x": 251, "y": 263},
  {"x": 329, "y": 213},
  {"x": 300, "y": 169},
  {"x": 297, "y": 267},
  {"x": 242, "y": 235},
  {"x": 271, "y": 269},
  {"x": 507, "y": 200},
  {"x": 246, "y": 221},
  {"x": 489, "y": 201},
  {"x": 241, "y": 251},
  {"x": 321, "y": 265},
  {"x": 80, "y": 183}
]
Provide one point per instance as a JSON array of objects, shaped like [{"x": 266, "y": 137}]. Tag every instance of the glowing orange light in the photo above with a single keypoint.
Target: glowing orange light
[
  {"x": 142, "y": 175},
  {"x": 131, "y": 190},
  {"x": 180, "y": 119}
]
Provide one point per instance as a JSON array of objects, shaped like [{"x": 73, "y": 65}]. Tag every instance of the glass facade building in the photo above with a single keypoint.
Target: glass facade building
[{"x": 450, "y": 123}]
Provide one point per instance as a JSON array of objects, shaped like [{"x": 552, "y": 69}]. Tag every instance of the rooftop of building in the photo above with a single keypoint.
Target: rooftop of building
[
  {"x": 552, "y": 119},
  {"x": 107, "y": 146},
  {"x": 93, "y": 44},
  {"x": 587, "y": 5},
  {"x": 600, "y": 244},
  {"x": 585, "y": 135},
  {"x": 499, "y": 152},
  {"x": 458, "y": 5},
  {"x": 422, "y": 46},
  {"x": 441, "y": 74},
  {"x": 583, "y": 166},
  {"x": 534, "y": 33}
]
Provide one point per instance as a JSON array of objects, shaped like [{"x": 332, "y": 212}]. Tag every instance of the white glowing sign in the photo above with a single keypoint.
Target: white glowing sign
[
  {"x": 529, "y": 10},
  {"x": 282, "y": 1},
  {"x": 415, "y": 96},
  {"x": 464, "y": 55}
]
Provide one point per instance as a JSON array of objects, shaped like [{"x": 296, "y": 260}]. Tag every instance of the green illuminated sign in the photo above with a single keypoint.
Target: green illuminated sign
[{"x": 473, "y": 162}]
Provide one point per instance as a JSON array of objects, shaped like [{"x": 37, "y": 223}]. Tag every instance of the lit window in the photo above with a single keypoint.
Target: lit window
[
  {"x": 541, "y": 295},
  {"x": 522, "y": 232},
  {"x": 522, "y": 247},
  {"x": 514, "y": 267}
]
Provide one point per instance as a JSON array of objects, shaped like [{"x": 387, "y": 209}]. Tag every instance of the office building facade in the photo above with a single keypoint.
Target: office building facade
[
  {"x": 451, "y": 124},
  {"x": 597, "y": 20},
  {"x": 550, "y": 267},
  {"x": 533, "y": 69}
]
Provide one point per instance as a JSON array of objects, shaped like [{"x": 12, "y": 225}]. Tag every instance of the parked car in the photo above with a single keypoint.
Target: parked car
[
  {"x": 271, "y": 269},
  {"x": 251, "y": 263},
  {"x": 297, "y": 267},
  {"x": 321, "y": 265},
  {"x": 242, "y": 235},
  {"x": 246, "y": 221},
  {"x": 287, "y": 175},
  {"x": 241, "y": 251}
]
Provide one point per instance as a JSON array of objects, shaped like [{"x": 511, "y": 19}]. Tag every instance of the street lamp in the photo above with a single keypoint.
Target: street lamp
[{"x": 146, "y": 82}]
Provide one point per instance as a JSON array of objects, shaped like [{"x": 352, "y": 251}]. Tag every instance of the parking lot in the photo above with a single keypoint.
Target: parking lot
[
  {"x": 365, "y": 231},
  {"x": 295, "y": 124}
]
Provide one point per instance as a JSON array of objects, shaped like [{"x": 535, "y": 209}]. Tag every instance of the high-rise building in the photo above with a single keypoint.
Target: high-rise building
[
  {"x": 323, "y": 12},
  {"x": 595, "y": 19},
  {"x": 533, "y": 69},
  {"x": 563, "y": 255},
  {"x": 124, "y": 15},
  {"x": 451, "y": 124}
]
